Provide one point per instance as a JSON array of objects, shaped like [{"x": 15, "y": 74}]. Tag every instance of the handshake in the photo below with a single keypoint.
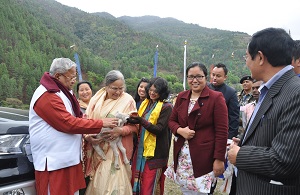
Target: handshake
[{"x": 134, "y": 118}]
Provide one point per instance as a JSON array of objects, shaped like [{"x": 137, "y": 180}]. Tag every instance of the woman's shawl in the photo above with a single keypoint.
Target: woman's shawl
[{"x": 99, "y": 108}]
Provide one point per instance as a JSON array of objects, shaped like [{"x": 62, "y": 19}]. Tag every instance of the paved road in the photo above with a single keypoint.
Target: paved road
[{"x": 13, "y": 114}]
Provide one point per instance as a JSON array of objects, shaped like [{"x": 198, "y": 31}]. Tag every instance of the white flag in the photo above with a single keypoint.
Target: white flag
[{"x": 184, "y": 65}]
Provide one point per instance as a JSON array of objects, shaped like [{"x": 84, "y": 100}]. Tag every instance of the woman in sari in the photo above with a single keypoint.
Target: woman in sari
[
  {"x": 104, "y": 177},
  {"x": 151, "y": 157}
]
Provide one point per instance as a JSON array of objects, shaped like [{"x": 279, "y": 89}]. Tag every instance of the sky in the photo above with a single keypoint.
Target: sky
[{"x": 235, "y": 15}]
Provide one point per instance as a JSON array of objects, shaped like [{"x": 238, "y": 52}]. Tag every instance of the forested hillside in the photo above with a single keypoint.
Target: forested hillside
[
  {"x": 34, "y": 32},
  {"x": 203, "y": 43}
]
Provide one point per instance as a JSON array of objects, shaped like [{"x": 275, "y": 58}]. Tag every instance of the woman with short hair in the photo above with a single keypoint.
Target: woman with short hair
[{"x": 106, "y": 103}]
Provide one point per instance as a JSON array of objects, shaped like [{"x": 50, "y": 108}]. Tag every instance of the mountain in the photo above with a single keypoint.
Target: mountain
[
  {"x": 202, "y": 42},
  {"x": 34, "y": 32}
]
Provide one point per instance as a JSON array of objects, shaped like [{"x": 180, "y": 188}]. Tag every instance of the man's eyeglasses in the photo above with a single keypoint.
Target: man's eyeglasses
[
  {"x": 192, "y": 77},
  {"x": 115, "y": 89},
  {"x": 70, "y": 78}
]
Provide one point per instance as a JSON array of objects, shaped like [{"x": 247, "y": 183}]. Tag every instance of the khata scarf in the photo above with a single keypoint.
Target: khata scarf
[
  {"x": 53, "y": 86},
  {"x": 147, "y": 143},
  {"x": 152, "y": 116}
]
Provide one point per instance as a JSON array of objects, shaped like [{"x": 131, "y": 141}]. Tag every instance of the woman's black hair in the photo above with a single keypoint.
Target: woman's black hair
[
  {"x": 161, "y": 86},
  {"x": 82, "y": 82},
  {"x": 198, "y": 64},
  {"x": 137, "y": 98}
]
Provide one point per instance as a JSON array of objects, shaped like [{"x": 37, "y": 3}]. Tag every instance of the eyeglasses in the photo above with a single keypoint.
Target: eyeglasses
[
  {"x": 245, "y": 57},
  {"x": 115, "y": 89},
  {"x": 70, "y": 78},
  {"x": 192, "y": 77}
]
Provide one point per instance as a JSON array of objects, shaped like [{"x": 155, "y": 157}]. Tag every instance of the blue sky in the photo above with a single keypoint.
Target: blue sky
[{"x": 233, "y": 15}]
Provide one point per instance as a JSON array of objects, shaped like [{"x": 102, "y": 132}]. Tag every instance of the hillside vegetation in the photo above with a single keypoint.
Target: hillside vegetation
[{"x": 34, "y": 32}]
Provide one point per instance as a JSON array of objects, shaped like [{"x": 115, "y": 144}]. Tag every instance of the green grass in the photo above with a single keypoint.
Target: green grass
[{"x": 173, "y": 189}]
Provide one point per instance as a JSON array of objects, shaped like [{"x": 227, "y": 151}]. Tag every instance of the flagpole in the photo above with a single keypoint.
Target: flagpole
[
  {"x": 211, "y": 68},
  {"x": 184, "y": 65},
  {"x": 155, "y": 62}
]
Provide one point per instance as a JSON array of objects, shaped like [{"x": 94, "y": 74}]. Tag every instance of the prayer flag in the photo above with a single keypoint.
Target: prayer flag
[{"x": 78, "y": 66}]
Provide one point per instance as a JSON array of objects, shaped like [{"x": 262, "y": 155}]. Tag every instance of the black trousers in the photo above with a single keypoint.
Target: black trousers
[
  {"x": 82, "y": 191},
  {"x": 233, "y": 185}
]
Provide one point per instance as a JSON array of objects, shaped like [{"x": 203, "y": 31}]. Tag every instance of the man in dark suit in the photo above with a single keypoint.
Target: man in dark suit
[
  {"x": 296, "y": 57},
  {"x": 219, "y": 76},
  {"x": 267, "y": 157}
]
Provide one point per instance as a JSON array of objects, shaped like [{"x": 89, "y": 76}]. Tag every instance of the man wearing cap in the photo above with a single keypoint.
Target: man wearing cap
[
  {"x": 248, "y": 109},
  {"x": 246, "y": 97}
]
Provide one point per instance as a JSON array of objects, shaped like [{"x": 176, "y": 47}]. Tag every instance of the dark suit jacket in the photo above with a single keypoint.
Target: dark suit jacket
[
  {"x": 208, "y": 119},
  {"x": 233, "y": 108},
  {"x": 271, "y": 148}
]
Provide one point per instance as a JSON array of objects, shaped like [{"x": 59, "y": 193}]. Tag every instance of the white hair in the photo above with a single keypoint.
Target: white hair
[{"x": 61, "y": 65}]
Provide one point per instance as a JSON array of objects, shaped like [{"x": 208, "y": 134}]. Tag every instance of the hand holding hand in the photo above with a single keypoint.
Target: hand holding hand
[{"x": 186, "y": 132}]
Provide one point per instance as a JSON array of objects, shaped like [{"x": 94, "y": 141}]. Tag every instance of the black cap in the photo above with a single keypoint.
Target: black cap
[{"x": 246, "y": 78}]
